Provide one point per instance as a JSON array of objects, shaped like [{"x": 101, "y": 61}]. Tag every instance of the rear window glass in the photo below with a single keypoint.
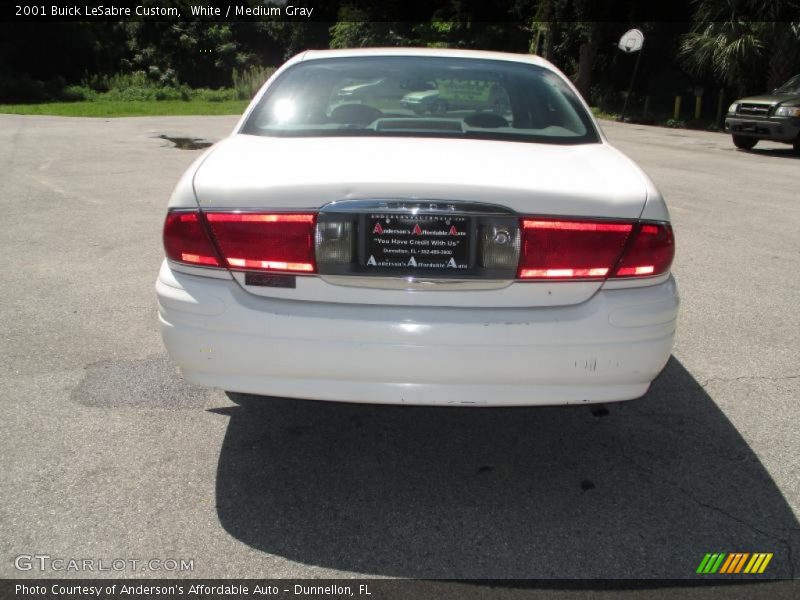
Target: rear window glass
[{"x": 423, "y": 97}]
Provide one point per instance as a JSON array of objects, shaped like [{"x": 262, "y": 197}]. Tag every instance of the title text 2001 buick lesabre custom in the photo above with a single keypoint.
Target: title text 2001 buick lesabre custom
[{"x": 486, "y": 253}]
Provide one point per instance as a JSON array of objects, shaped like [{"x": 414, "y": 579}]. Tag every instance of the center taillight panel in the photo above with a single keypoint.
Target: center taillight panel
[
  {"x": 417, "y": 243},
  {"x": 397, "y": 242}
]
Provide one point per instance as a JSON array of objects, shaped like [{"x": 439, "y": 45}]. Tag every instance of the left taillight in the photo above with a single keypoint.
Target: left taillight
[
  {"x": 186, "y": 240},
  {"x": 245, "y": 241},
  {"x": 265, "y": 241}
]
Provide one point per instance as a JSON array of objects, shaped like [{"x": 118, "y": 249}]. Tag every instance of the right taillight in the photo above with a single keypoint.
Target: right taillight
[
  {"x": 571, "y": 249},
  {"x": 649, "y": 252}
]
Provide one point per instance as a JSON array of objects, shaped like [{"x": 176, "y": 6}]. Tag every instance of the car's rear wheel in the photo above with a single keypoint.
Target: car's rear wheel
[
  {"x": 439, "y": 107},
  {"x": 744, "y": 142}
]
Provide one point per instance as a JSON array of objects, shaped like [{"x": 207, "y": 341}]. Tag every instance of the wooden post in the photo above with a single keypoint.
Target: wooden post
[
  {"x": 676, "y": 113},
  {"x": 720, "y": 104},
  {"x": 698, "y": 105},
  {"x": 647, "y": 105}
]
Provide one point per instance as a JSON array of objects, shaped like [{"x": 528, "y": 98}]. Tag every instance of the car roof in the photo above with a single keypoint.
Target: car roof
[{"x": 530, "y": 59}]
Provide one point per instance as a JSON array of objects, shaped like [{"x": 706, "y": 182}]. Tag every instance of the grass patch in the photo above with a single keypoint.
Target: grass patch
[
  {"x": 601, "y": 114},
  {"x": 128, "y": 108}
]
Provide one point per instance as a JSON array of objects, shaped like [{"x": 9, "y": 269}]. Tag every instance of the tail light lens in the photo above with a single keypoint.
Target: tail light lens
[
  {"x": 561, "y": 249},
  {"x": 548, "y": 249},
  {"x": 649, "y": 253},
  {"x": 335, "y": 242},
  {"x": 253, "y": 241},
  {"x": 186, "y": 241},
  {"x": 263, "y": 241},
  {"x": 570, "y": 249},
  {"x": 499, "y": 246}
]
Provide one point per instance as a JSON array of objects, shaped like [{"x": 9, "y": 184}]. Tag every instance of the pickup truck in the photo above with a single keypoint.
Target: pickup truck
[{"x": 774, "y": 116}]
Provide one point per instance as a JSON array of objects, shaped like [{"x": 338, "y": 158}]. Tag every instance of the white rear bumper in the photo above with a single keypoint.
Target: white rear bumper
[{"x": 606, "y": 349}]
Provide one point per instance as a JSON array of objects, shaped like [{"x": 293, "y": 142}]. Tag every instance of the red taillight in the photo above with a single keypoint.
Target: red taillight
[
  {"x": 649, "y": 253},
  {"x": 186, "y": 241},
  {"x": 581, "y": 249},
  {"x": 557, "y": 249},
  {"x": 265, "y": 241}
]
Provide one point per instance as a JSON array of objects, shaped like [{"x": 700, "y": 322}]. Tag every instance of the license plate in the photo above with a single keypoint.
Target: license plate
[{"x": 417, "y": 243}]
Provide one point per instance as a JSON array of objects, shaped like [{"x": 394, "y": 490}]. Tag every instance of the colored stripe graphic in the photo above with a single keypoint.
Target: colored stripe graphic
[
  {"x": 765, "y": 563},
  {"x": 714, "y": 565},
  {"x": 733, "y": 557},
  {"x": 710, "y": 563},
  {"x": 754, "y": 563},
  {"x": 740, "y": 564},
  {"x": 734, "y": 563},
  {"x": 727, "y": 564},
  {"x": 703, "y": 563}
]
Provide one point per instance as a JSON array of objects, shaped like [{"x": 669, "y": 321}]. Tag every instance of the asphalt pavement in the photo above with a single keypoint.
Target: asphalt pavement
[{"x": 105, "y": 453}]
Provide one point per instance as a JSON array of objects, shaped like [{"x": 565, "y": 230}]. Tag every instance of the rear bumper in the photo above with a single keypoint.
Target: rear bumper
[
  {"x": 606, "y": 349},
  {"x": 778, "y": 129}
]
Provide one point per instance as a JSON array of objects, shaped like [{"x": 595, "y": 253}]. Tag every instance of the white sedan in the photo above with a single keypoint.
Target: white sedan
[{"x": 358, "y": 252}]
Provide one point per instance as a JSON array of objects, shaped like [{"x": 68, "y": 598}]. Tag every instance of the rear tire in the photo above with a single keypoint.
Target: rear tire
[
  {"x": 744, "y": 142},
  {"x": 439, "y": 107}
]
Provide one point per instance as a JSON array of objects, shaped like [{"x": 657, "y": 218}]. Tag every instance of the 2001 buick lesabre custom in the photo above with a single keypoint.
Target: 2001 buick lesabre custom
[{"x": 485, "y": 253}]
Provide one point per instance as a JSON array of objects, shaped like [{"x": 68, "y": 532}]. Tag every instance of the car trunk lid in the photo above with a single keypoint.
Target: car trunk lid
[{"x": 306, "y": 174}]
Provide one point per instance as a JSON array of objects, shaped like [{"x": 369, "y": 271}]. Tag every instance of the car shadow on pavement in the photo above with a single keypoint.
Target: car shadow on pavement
[
  {"x": 642, "y": 491},
  {"x": 777, "y": 152}
]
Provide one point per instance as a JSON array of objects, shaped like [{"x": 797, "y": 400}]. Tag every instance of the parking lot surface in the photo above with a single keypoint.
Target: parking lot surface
[{"x": 106, "y": 453}]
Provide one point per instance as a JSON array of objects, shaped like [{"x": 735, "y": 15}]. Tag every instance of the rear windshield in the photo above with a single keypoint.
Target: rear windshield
[{"x": 422, "y": 97}]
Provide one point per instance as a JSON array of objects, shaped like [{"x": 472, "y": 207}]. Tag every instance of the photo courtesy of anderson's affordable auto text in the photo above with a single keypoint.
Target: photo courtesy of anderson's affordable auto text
[{"x": 406, "y": 300}]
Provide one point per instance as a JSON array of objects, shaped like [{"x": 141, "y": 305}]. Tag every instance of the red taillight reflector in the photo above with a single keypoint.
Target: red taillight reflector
[
  {"x": 258, "y": 218},
  {"x": 561, "y": 249},
  {"x": 186, "y": 241},
  {"x": 563, "y": 273},
  {"x": 641, "y": 270},
  {"x": 649, "y": 253},
  {"x": 199, "y": 259},
  {"x": 576, "y": 225},
  {"x": 265, "y": 241},
  {"x": 245, "y": 263}
]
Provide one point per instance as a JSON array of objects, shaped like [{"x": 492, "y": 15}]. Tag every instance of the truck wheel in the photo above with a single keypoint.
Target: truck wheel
[{"x": 744, "y": 142}]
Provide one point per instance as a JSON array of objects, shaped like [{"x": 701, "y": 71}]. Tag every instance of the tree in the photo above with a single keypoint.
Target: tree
[
  {"x": 358, "y": 28},
  {"x": 746, "y": 44}
]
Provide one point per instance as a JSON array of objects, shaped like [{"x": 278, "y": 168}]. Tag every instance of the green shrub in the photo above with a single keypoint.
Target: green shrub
[
  {"x": 147, "y": 94},
  {"x": 248, "y": 81},
  {"x": 77, "y": 93},
  {"x": 220, "y": 95},
  {"x": 675, "y": 124}
]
